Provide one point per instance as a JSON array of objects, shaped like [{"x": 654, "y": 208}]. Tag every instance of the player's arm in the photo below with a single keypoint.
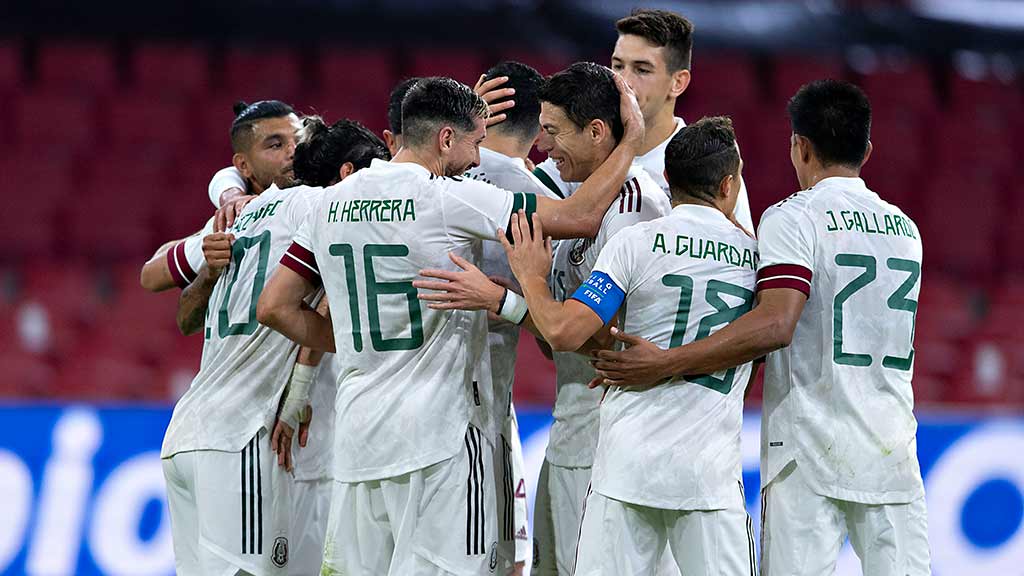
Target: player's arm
[
  {"x": 580, "y": 215},
  {"x": 766, "y": 328},
  {"x": 156, "y": 274},
  {"x": 282, "y": 305},
  {"x": 195, "y": 297}
]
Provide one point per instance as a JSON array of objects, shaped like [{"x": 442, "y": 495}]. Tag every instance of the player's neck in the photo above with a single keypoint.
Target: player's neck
[
  {"x": 658, "y": 129},
  {"x": 835, "y": 171},
  {"x": 507, "y": 145},
  {"x": 684, "y": 200},
  {"x": 429, "y": 161}
]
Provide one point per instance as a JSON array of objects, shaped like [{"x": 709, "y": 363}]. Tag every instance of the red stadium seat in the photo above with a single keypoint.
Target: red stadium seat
[
  {"x": 10, "y": 65},
  {"x": 29, "y": 211},
  {"x": 975, "y": 202},
  {"x": 792, "y": 72},
  {"x": 254, "y": 75},
  {"x": 547, "y": 63},
  {"x": 907, "y": 86},
  {"x": 985, "y": 96},
  {"x": 55, "y": 122},
  {"x": 139, "y": 123},
  {"x": 77, "y": 66},
  {"x": 114, "y": 223},
  {"x": 106, "y": 377},
  {"x": 929, "y": 389},
  {"x": 464, "y": 66},
  {"x": 25, "y": 376},
  {"x": 988, "y": 376},
  {"x": 160, "y": 69},
  {"x": 69, "y": 291},
  {"x": 935, "y": 357},
  {"x": 355, "y": 84},
  {"x": 944, "y": 309},
  {"x": 723, "y": 84}
]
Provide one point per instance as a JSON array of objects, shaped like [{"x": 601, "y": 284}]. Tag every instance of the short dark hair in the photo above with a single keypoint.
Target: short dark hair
[
  {"x": 699, "y": 156},
  {"x": 585, "y": 91},
  {"x": 437, "y": 101},
  {"x": 395, "y": 104},
  {"x": 663, "y": 29},
  {"x": 322, "y": 150},
  {"x": 246, "y": 115},
  {"x": 521, "y": 119},
  {"x": 836, "y": 117}
]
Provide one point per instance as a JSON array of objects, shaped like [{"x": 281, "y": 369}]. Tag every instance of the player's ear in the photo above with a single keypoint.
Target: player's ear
[
  {"x": 446, "y": 138},
  {"x": 680, "y": 82},
  {"x": 241, "y": 163},
  {"x": 867, "y": 154},
  {"x": 598, "y": 130},
  {"x": 345, "y": 171},
  {"x": 725, "y": 188},
  {"x": 391, "y": 142}
]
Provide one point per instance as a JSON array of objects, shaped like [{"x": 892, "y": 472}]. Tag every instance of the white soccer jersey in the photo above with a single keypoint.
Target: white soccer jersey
[
  {"x": 838, "y": 399},
  {"x": 314, "y": 461},
  {"x": 223, "y": 180},
  {"x": 185, "y": 257},
  {"x": 574, "y": 432},
  {"x": 683, "y": 277},
  {"x": 654, "y": 163},
  {"x": 511, "y": 174},
  {"x": 406, "y": 382},
  {"x": 245, "y": 364}
]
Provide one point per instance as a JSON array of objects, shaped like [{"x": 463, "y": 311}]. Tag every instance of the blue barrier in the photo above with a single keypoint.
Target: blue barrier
[{"x": 83, "y": 490}]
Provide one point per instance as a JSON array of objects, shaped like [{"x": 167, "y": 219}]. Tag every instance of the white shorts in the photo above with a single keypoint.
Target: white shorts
[
  {"x": 311, "y": 502},
  {"x": 229, "y": 511},
  {"x": 621, "y": 538},
  {"x": 513, "y": 538},
  {"x": 437, "y": 520},
  {"x": 558, "y": 507},
  {"x": 802, "y": 532}
]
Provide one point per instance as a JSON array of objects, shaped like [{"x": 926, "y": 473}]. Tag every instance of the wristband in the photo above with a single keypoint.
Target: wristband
[
  {"x": 513, "y": 307},
  {"x": 302, "y": 379}
]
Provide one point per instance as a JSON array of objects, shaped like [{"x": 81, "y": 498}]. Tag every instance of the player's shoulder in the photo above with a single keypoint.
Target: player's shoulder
[{"x": 793, "y": 206}]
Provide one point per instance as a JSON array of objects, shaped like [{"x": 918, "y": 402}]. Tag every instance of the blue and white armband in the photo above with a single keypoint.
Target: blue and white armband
[{"x": 601, "y": 294}]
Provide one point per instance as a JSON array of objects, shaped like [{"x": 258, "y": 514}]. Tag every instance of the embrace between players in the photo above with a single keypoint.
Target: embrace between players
[{"x": 385, "y": 342}]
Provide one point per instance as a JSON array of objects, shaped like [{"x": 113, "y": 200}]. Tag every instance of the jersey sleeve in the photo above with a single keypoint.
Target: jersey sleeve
[
  {"x": 786, "y": 244},
  {"x": 186, "y": 257},
  {"x": 299, "y": 257},
  {"x": 605, "y": 289},
  {"x": 547, "y": 173},
  {"x": 477, "y": 209},
  {"x": 224, "y": 179}
]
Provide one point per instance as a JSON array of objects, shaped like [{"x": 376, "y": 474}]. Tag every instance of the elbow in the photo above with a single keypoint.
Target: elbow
[
  {"x": 149, "y": 281},
  {"x": 562, "y": 340},
  {"x": 590, "y": 226},
  {"x": 780, "y": 334},
  {"x": 266, "y": 313}
]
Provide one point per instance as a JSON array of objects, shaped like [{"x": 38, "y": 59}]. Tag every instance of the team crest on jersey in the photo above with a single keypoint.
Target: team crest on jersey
[
  {"x": 279, "y": 555},
  {"x": 494, "y": 556},
  {"x": 579, "y": 248}
]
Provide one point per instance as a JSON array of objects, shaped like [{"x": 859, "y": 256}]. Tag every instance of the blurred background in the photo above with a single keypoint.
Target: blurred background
[{"x": 116, "y": 115}]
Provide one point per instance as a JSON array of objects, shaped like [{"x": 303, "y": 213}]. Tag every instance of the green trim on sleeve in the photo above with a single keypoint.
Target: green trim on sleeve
[
  {"x": 525, "y": 202},
  {"x": 543, "y": 177}
]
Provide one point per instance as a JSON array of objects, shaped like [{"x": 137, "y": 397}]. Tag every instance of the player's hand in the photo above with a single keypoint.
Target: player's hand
[
  {"x": 217, "y": 251},
  {"x": 639, "y": 365},
  {"x": 226, "y": 214},
  {"x": 468, "y": 289},
  {"x": 530, "y": 256},
  {"x": 632, "y": 118},
  {"x": 489, "y": 90}
]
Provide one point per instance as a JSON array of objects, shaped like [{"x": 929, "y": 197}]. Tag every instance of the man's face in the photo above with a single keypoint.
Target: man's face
[
  {"x": 464, "y": 152},
  {"x": 575, "y": 154},
  {"x": 643, "y": 66},
  {"x": 269, "y": 159}
]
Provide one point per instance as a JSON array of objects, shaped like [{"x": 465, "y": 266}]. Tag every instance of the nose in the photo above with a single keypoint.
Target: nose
[{"x": 628, "y": 76}]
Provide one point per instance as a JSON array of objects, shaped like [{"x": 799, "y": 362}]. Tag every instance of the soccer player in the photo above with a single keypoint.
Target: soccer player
[
  {"x": 580, "y": 126},
  {"x": 261, "y": 159},
  {"x": 673, "y": 280},
  {"x": 653, "y": 54},
  {"x": 324, "y": 156},
  {"x": 837, "y": 298},
  {"x": 393, "y": 137},
  {"x": 503, "y": 156},
  {"x": 412, "y": 475},
  {"x": 230, "y": 505}
]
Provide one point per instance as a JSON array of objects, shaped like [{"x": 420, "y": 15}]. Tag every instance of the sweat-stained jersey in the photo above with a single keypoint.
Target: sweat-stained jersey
[
  {"x": 838, "y": 399},
  {"x": 407, "y": 372},
  {"x": 675, "y": 446},
  {"x": 574, "y": 431},
  {"x": 502, "y": 337},
  {"x": 245, "y": 365},
  {"x": 654, "y": 163}
]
